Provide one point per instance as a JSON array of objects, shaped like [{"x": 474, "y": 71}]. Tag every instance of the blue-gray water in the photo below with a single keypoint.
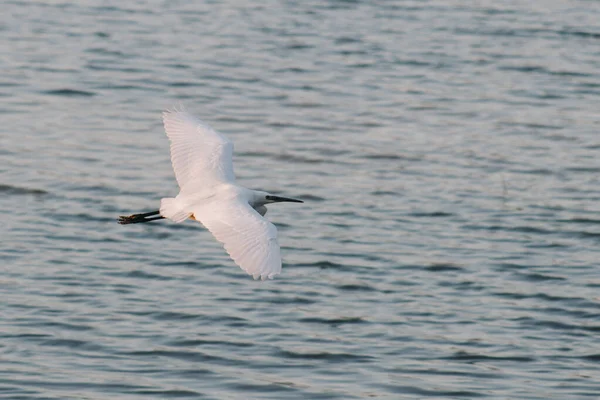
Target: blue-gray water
[{"x": 448, "y": 153}]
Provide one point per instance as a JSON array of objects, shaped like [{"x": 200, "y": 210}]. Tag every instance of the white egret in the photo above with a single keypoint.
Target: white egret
[{"x": 202, "y": 161}]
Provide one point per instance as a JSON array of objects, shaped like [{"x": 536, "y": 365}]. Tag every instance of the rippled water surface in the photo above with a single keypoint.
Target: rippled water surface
[{"x": 448, "y": 153}]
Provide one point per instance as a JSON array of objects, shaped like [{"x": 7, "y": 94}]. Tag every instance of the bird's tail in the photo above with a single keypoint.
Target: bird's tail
[{"x": 172, "y": 209}]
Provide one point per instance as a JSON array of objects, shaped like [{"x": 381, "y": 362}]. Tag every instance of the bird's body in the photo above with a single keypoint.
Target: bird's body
[{"x": 202, "y": 161}]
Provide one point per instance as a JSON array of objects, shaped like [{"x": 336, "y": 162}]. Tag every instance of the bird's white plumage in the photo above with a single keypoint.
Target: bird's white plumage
[
  {"x": 250, "y": 239},
  {"x": 200, "y": 156},
  {"x": 202, "y": 162}
]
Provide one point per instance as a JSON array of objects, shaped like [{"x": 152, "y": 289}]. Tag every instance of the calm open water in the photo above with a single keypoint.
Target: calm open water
[{"x": 448, "y": 153}]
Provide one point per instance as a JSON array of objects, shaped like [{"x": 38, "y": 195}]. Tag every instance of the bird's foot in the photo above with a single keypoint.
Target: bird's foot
[
  {"x": 131, "y": 219},
  {"x": 139, "y": 218}
]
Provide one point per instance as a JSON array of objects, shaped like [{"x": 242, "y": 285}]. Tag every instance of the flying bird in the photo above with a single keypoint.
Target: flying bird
[{"x": 202, "y": 161}]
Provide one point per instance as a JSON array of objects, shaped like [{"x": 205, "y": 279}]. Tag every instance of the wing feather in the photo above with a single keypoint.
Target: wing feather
[
  {"x": 250, "y": 239},
  {"x": 199, "y": 154}
]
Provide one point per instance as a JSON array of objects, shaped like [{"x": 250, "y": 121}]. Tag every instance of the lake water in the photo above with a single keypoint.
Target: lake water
[{"x": 448, "y": 153}]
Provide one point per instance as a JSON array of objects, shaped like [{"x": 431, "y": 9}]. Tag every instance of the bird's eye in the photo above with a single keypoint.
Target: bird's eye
[{"x": 269, "y": 197}]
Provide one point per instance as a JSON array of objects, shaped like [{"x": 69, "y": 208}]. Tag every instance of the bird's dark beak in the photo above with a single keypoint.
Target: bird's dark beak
[{"x": 279, "y": 199}]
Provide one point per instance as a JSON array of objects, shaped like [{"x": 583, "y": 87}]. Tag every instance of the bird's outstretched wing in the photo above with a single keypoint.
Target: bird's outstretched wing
[
  {"x": 198, "y": 153},
  {"x": 250, "y": 239}
]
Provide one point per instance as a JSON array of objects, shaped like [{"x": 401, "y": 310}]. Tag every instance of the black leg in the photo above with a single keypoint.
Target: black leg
[
  {"x": 139, "y": 218},
  {"x": 148, "y": 214}
]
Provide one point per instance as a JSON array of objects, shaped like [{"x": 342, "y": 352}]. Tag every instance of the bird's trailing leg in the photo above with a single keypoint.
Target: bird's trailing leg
[{"x": 139, "y": 218}]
